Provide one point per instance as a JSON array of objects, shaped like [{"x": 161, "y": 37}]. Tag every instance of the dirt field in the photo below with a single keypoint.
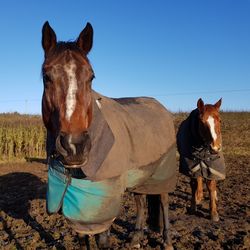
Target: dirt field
[{"x": 24, "y": 223}]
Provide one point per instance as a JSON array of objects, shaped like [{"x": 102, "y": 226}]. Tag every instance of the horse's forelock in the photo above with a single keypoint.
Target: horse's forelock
[{"x": 61, "y": 47}]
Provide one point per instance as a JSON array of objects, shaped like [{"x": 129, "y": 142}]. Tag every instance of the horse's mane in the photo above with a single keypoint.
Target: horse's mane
[
  {"x": 62, "y": 46},
  {"x": 193, "y": 127}
]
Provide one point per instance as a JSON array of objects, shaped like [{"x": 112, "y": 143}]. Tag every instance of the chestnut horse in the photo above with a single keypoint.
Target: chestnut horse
[
  {"x": 98, "y": 147},
  {"x": 199, "y": 143}
]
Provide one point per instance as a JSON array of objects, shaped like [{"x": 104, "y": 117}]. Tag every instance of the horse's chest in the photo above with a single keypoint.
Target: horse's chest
[
  {"x": 83, "y": 201},
  {"x": 93, "y": 205}
]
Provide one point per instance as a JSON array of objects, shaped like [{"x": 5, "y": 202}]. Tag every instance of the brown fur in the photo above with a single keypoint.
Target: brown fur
[
  {"x": 197, "y": 184},
  {"x": 56, "y": 84},
  {"x": 206, "y": 111}
]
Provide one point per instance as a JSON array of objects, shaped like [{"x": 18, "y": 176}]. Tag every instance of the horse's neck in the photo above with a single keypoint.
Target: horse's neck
[{"x": 196, "y": 139}]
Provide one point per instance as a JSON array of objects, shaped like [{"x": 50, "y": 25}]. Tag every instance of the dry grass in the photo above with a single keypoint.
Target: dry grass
[
  {"x": 23, "y": 136},
  {"x": 236, "y": 133}
]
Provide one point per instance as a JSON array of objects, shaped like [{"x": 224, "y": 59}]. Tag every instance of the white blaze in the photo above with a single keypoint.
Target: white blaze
[
  {"x": 71, "y": 145},
  {"x": 70, "y": 70},
  {"x": 210, "y": 121}
]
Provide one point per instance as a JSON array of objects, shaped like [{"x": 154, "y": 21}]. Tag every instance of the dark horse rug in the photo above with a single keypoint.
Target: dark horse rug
[
  {"x": 196, "y": 158},
  {"x": 133, "y": 148}
]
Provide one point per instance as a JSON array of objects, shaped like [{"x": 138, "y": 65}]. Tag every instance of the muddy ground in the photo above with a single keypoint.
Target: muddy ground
[{"x": 24, "y": 223}]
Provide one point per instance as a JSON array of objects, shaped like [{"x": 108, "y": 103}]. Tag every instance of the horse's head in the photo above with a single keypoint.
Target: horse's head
[
  {"x": 67, "y": 102},
  {"x": 209, "y": 124}
]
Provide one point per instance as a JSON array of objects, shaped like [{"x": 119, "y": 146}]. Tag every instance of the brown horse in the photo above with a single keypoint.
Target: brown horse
[
  {"x": 199, "y": 144},
  {"x": 99, "y": 147}
]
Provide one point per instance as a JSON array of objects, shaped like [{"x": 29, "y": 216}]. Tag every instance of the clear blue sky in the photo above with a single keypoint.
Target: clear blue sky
[{"x": 175, "y": 51}]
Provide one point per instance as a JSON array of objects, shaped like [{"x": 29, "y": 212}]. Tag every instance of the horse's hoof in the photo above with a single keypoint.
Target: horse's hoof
[
  {"x": 192, "y": 210},
  {"x": 199, "y": 200},
  {"x": 136, "y": 239},
  {"x": 137, "y": 246},
  {"x": 104, "y": 241},
  {"x": 215, "y": 217},
  {"x": 104, "y": 245},
  {"x": 169, "y": 247}
]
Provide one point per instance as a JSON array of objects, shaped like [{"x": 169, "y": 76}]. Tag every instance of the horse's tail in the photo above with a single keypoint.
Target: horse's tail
[{"x": 155, "y": 216}]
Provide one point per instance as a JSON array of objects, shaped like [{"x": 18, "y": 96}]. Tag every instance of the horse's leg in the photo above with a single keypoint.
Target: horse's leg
[
  {"x": 193, "y": 184},
  {"x": 199, "y": 191},
  {"x": 140, "y": 201},
  {"x": 166, "y": 232},
  {"x": 83, "y": 241},
  {"x": 104, "y": 240},
  {"x": 211, "y": 184}
]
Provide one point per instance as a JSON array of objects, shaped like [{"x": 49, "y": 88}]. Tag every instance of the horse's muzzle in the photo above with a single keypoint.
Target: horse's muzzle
[{"x": 73, "y": 148}]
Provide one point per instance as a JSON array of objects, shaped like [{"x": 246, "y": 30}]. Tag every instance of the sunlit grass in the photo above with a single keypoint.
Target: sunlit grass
[{"x": 23, "y": 136}]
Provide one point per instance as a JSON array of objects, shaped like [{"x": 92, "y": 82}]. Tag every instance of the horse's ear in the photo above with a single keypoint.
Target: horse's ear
[
  {"x": 48, "y": 38},
  {"x": 218, "y": 104},
  {"x": 200, "y": 105},
  {"x": 85, "y": 39}
]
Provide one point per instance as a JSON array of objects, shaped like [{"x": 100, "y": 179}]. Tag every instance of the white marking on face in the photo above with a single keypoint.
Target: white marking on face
[
  {"x": 210, "y": 121},
  {"x": 71, "y": 145},
  {"x": 98, "y": 104},
  {"x": 70, "y": 70}
]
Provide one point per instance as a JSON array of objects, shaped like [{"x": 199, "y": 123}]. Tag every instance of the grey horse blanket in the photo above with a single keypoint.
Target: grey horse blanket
[
  {"x": 132, "y": 148},
  {"x": 196, "y": 159},
  {"x": 134, "y": 136}
]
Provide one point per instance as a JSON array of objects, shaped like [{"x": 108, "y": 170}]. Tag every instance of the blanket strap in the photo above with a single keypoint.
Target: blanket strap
[
  {"x": 69, "y": 172},
  {"x": 204, "y": 154},
  {"x": 204, "y": 165},
  {"x": 203, "y": 159}
]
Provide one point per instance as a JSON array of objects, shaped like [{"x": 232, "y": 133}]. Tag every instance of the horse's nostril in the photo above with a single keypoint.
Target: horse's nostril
[
  {"x": 216, "y": 148},
  {"x": 66, "y": 144},
  {"x": 60, "y": 146},
  {"x": 79, "y": 138},
  {"x": 63, "y": 140},
  {"x": 73, "y": 147}
]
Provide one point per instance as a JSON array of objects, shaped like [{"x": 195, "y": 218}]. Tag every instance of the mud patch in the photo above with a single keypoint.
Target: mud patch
[{"x": 24, "y": 223}]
